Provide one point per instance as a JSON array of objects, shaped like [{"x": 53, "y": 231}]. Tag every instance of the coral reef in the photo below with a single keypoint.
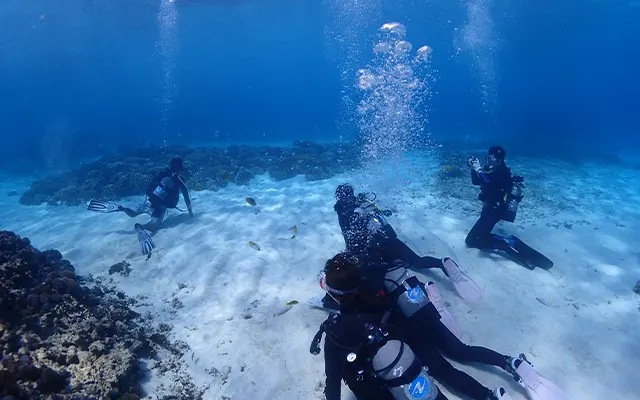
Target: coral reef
[
  {"x": 127, "y": 174},
  {"x": 60, "y": 338}
]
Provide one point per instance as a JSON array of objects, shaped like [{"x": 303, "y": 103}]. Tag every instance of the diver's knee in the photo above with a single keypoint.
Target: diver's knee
[{"x": 471, "y": 241}]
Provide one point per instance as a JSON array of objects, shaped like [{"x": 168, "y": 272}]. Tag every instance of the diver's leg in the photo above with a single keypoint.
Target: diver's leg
[
  {"x": 157, "y": 216},
  {"x": 480, "y": 235},
  {"x": 397, "y": 249},
  {"x": 446, "y": 374},
  {"x": 453, "y": 347},
  {"x": 143, "y": 208},
  {"x": 131, "y": 213}
]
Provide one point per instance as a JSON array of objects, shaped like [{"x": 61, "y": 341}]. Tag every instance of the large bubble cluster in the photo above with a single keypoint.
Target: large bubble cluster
[{"x": 395, "y": 87}]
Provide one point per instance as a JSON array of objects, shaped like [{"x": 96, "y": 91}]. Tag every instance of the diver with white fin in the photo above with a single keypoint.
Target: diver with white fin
[
  {"x": 500, "y": 193},
  {"x": 359, "y": 346},
  {"x": 366, "y": 231},
  {"x": 162, "y": 193}
]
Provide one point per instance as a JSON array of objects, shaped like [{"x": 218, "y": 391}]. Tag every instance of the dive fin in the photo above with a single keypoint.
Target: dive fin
[
  {"x": 446, "y": 317},
  {"x": 501, "y": 394},
  {"x": 102, "y": 206},
  {"x": 527, "y": 255},
  {"x": 146, "y": 244},
  {"x": 537, "y": 386},
  {"x": 465, "y": 286}
]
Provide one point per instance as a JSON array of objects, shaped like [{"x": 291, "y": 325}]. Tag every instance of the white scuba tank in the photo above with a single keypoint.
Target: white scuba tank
[
  {"x": 399, "y": 282},
  {"x": 163, "y": 188},
  {"x": 395, "y": 361}
]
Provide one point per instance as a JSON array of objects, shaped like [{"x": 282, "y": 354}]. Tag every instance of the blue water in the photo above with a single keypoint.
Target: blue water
[{"x": 81, "y": 77}]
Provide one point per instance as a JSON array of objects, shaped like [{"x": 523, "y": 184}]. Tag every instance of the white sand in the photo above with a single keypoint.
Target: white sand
[{"x": 578, "y": 323}]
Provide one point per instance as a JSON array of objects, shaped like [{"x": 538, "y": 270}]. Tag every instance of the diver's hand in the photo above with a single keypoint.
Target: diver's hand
[
  {"x": 474, "y": 164},
  {"x": 315, "y": 301}
]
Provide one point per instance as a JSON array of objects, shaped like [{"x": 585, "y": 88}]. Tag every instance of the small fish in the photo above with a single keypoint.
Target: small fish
[
  {"x": 227, "y": 177},
  {"x": 198, "y": 189},
  {"x": 254, "y": 246},
  {"x": 251, "y": 201},
  {"x": 294, "y": 229},
  {"x": 287, "y": 306}
]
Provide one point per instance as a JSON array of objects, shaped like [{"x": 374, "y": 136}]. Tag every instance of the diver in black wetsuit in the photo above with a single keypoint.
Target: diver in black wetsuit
[
  {"x": 500, "y": 192},
  {"x": 359, "y": 339},
  {"x": 366, "y": 230},
  {"x": 366, "y": 307},
  {"x": 162, "y": 193}
]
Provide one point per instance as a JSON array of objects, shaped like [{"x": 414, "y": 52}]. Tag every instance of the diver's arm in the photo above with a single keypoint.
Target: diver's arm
[
  {"x": 185, "y": 194},
  {"x": 478, "y": 176},
  {"x": 343, "y": 220},
  {"x": 333, "y": 362},
  {"x": 475, "y": 179}
]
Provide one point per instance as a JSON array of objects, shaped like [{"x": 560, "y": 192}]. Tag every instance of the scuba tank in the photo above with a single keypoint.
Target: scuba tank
[
  {"x": 405, "y": 289},
  {"x": 390, "y": 361},
  {"x": 513, "y": 198},
  {"x": 163, "y": 188},
  {"x": 402, "y": 373}
]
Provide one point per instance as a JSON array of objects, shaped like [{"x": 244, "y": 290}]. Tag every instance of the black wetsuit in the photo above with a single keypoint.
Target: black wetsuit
[
  {"x": 383, "y": 243},
  {"x": 494, "y": 187},
  {"x": 173, "y": 195},
  {"x": 428, "y": 338},
  {"x": 343, "y": 336}
]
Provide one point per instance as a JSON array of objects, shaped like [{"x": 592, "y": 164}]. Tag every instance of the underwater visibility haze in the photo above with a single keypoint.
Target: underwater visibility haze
[{"x": 175, "y": 173}]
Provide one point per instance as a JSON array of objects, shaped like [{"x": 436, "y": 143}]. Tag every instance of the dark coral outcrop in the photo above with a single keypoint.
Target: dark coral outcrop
[
  {"x": 60, "y": 339},
  {"x": 128, "y": 174}
]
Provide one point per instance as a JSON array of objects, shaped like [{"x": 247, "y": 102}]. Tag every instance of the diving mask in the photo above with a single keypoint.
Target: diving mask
[
  {"x": 322, "y": 280},
  {"x": 491, "y": 162}
]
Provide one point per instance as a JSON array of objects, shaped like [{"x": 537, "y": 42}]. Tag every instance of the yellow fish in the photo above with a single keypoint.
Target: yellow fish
[
  {"x": 287, "y": 306},
  {"x": 254, "y": 246},
  {"x": 294, "y": 229},
  {"x": 198, "y": 189},
  {"x": 251, "y": 201}
]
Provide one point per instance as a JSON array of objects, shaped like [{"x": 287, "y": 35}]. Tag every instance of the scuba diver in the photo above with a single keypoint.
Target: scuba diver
[
  {"x": 163, "y": 192},
  {"x": 500, "y": 193},
  {"x": 366, "y": 338},
  {"x": 363, "y": 347},
  {"x": 366, "y": 231}
]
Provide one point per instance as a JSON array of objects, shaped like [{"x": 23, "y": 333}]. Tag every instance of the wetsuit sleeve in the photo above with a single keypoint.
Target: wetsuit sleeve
[
  {"x": 333, "y": 362},
  {"x": 185, "y": 194},
  {"x": 497, "y": 179},
  {"x": 342, "y": 219},
  {"x": 475, "y": 179}
]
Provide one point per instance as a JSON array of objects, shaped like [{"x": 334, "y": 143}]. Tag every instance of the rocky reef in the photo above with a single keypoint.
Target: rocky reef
[
  {"x": 129, "y": 173},
  {"x": 61, "y": 338}
]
